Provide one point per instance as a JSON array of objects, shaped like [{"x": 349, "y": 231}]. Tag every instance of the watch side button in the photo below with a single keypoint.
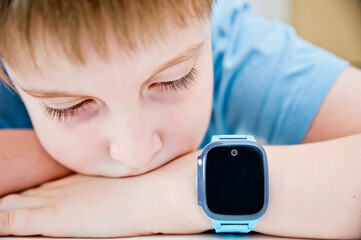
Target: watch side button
[{"x": 196, "y": 180}]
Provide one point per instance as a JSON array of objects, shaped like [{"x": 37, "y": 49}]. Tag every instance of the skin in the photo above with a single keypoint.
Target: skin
[
  {"x": 131, "y": 124},
  {"x": 308, "y": 200},
  {"x": 21, "y": 151},
  {"x": 315, "y": 188}
]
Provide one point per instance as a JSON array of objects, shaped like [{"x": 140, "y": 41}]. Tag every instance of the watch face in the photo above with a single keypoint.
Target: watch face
[{"x": 235, "y": 180}]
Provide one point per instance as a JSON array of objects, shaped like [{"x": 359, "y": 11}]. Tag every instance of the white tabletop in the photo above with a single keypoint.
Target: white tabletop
[{"x": 178, "y": 237}]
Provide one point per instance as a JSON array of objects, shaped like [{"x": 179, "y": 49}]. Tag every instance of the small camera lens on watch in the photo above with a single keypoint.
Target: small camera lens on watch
[{"x": 234, "y": 152}]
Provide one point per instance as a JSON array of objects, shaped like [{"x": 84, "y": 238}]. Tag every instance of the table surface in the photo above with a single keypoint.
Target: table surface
[{"x": 251, "y": 236}]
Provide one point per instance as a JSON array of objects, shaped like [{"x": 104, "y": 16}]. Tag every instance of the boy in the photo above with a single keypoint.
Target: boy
[{"x": 119, "y": 89}]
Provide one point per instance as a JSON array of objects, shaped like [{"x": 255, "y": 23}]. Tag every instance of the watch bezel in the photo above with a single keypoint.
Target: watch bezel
[{"x": 201, "y": 175}]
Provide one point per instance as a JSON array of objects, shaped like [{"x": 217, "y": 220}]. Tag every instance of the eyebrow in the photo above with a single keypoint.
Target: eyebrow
[{"x": 187, "y": 54}]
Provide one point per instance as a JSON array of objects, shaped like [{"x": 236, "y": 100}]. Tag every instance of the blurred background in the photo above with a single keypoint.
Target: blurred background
[{"x": 331, "y": 24}]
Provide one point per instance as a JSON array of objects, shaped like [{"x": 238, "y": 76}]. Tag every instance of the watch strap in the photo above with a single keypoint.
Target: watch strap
[
  {"x": 234, "y": 226},
  {"x": 233, "y": 138},
  {"x": 241, "y": 227}
]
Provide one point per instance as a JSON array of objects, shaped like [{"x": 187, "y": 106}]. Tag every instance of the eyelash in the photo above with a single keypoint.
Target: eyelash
[
  {"x": 71, "y": 112},
  {"x": 182, "y": 83},
  {"x": 64, "y": 114}
]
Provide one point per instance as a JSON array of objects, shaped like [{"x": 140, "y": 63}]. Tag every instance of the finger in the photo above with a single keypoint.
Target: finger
[
  {"x": 40, "y": 192},
  {"x": 15, "y": 201},
  {"x": 21, "y": 222},
  {"x": 46, "y": 190},
  {"x": 56, "y": 184}
]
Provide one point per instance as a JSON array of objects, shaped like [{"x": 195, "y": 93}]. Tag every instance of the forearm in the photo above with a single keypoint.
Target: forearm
[
  {"x": 315, "y": 192},
  {"x": 24, "y": 163}
]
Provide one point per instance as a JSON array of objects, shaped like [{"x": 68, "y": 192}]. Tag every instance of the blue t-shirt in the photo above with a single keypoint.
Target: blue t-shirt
[
  {"x": 267, "y": 81},
  {"x": 13, "y": 113}
]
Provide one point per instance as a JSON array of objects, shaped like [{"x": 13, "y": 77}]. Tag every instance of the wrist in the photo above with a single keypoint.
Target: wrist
[{"x": 176, "y": 195}]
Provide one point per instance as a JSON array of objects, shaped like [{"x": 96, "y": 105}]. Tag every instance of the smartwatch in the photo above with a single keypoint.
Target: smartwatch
[{"x": 233, "y": 182}]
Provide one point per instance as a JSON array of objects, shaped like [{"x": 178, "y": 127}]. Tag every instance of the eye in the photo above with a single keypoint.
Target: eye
[
  {"x": 65, "y": 113},
  {"x": 182, "y": 83}
]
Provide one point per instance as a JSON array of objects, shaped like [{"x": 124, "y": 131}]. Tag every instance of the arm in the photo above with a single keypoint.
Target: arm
[
  {"x": 24, "y": 162},
  {"x": 315, "y": 192},
  {"x": 340, "y": 113}
]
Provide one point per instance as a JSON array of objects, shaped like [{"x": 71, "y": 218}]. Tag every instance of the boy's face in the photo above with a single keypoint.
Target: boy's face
[{"x": 123, "y": 117}]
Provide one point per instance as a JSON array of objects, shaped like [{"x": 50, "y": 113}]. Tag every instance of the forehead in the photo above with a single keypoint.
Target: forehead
[{"x": 55, "y": 70}]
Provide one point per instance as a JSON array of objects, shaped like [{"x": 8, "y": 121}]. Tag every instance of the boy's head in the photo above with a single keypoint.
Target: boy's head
[{"x": 113, "y": 88}]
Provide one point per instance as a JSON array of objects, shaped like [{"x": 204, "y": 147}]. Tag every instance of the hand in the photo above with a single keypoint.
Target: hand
[
  {"x": 80, "y": 206},
  {"x": 162, "y": 201}
]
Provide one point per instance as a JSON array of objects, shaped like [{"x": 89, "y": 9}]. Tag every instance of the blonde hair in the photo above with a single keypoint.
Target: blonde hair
[{"x": 133, "y": 22}]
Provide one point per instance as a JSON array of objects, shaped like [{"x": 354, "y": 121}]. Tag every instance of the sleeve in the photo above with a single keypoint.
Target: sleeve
[
  {"x": 267, "y": 80},
  {"x": 13, "y": 113}
]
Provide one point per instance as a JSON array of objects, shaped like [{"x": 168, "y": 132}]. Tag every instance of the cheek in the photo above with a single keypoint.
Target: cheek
[
  {"x": 202, "y": 100},
  {"x": 189, "y": 121},
  {"x": 73, "y": 148},
  {"x": 63, "y": 147}
]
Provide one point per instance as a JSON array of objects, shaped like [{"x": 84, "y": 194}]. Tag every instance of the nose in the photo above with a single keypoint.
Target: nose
[{"x": 138, "y": 153}]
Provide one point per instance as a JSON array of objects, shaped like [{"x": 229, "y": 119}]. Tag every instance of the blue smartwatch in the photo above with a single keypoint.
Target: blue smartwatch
[{"x": 233, "y": 182}]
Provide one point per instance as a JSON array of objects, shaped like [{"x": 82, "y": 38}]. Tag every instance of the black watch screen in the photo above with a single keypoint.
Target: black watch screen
[{"x": 235, "y": 180}]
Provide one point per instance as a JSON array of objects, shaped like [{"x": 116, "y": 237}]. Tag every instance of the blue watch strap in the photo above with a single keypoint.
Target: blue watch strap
[
  {"x": 233, "y": 138},
  {"x": 233, "y": 226},
  {"x": 242, "y": 227}
]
